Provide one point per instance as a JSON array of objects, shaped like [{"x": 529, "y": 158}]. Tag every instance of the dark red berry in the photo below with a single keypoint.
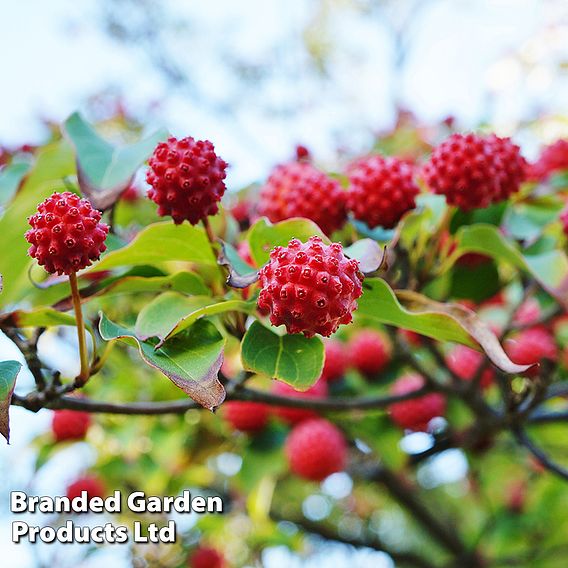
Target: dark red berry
[
  {"x": 381, "y": 190},
  {"x": 415, "y": 414},
  {"x": 186, "y": 178},
  {"x": 369, "y": 351},
  {"x": 70, "y": 425},
  {"x": 315, "y": 449},
  {"x": 206, "y": 557},
  {"x": 67, "y": 234},
  {"x": 299, "y": 189},
  {"x": 310, "y": 288},
  {"x": 246, "y": 416},
  {"x": 91, "y": 484}
]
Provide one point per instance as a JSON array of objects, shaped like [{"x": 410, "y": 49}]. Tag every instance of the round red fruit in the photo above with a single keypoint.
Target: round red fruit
[
  {"x": 246, "y": 416},
  {"x": 186, "y": 178},
  {"x": 369, "y": 352},
  {"x": 67, "y": 234},
  {"x": 91, "y": 484},
  {"x": 70, "y": 425},
  {"x": 315, "y": 449},
  {"x": 381, "y": 190},
  {"x": 415, "y": 414},
  {"x": 464, "y": 362},
  {"x": 299, "y": 189},
  {"x": 206, "y": 557},
  {"x": 310, "y": 288}
]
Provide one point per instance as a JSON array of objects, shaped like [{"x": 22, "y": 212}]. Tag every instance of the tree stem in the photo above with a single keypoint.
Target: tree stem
[{"x": 83, "y": 376}]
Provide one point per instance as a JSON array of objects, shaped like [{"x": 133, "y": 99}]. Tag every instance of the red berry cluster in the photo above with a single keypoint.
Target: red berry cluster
[
  {"x": 474, "y": 171},
  {"x": 310, "y": 288},
  {"x": 299, "y": 189},
  {"x": 186, "y": 178},
  {"x": 66, "y": 234},
  {"x": 70, "y": 425},
  {"x": 415, "y": 414},
  {"x": 381, "y": 190},
  {"x": 315, "y": 449}
]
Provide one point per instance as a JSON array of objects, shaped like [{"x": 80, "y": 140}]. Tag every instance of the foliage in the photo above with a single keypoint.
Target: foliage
[{"x": 158, "y": 305}]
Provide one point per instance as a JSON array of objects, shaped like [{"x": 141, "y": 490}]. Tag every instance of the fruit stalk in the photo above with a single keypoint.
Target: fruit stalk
[{"x": 84, "y": 373}]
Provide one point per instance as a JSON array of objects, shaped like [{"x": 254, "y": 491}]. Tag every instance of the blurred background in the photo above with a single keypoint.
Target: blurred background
[{"x": 258, "y": 78}]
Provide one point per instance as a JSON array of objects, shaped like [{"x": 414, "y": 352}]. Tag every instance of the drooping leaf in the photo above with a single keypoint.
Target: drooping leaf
[
  {"x": 208, "y": 310},
  {"x": 294, "y": 359},
  {"x": 159, "y": 316},
  {"x": 369, "y": 253},
  {"x": 8, "y": 373},
  {"x": 105, "y": 171},
  {"x": 526, "y": 221},
  {"x": 241, "y": 274},
  {"x": 264, "y": 236},
  {"x": 191, "y": 360},
  {"x": 160, "y": 243},
  {"x": 444, "y": 322},
  {"x": 549, "y": 268},
  {"x": 53, "y": 163}
]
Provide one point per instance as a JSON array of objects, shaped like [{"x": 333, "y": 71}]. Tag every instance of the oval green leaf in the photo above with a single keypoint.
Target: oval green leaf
[
  {"x": 8, "y": 373},
  {"x": 294, "y": 359}
]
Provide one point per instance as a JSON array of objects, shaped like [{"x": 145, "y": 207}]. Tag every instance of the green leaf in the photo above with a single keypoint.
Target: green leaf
[
  {"x": 10, "y": 178},
  {"x": 208, "y": 310},
  {"x": 104, "y": 170},
  {"x": 159, "y": 243},
  {"x": 158, "y": 317},
  {"x": 241, "y": 274},
  {"x": 526, "y": 221},
  {"x": 294, "y": 359},
  {"x": 184, "y": 282},
  {"x": 40, "y": 317},
  {"x": 8, "y": 373},
  {"x": 264, "y": 236},
  {"x": 191, "y": 361},
  {"x": 54, "y": 163},
  {"x": 444, "y": 322},
  {"x": 549, "y": 268}
]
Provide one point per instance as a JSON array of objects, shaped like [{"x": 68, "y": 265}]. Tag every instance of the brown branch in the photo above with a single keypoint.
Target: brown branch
[
  {"x": 370, "y": 541},
  {"x": 523, "y": 439},
  {"x": 35, "y": 401}
]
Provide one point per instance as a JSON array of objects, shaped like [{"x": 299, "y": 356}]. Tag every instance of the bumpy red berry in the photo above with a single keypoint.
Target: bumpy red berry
[
  {"x": 206, "y": 557},
  {"x": 310, "y": 288},
  {"x": 186, "y": 178},
  {"x": 315, "y": 449},
  {"x": 295, "y": 415},
  {"x": 369, "y": 351},
  {"x": 473, "y": 171},
  {"x": 336, "y": 360},
  {"x": 531, "y": 346},
  {"x": 91, "y": 484},
  {"x": 381, "y": 190},
  {"x": 246, "y": 416},
  {"x": 66, "y": 234},
  {"x": 70, "y": 425},
  {"x": 415, "y": 414},
  {"x": 553, "y": 158},
  {"x": 299, "y": 189},
  {"x": 464, "y": 362},
  {"x": 510, "y": 165}
]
